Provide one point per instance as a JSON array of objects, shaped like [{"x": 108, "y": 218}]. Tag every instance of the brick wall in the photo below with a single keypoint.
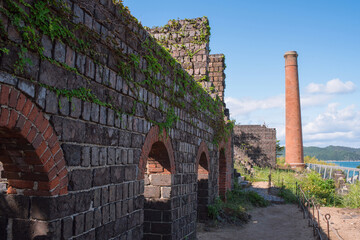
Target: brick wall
[
  {"x": 79, "y": 137},
  {"x": 255, "y": 145}
]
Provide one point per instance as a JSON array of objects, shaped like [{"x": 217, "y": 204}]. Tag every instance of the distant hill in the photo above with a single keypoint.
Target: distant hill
[{"x": 332, "y": 153}]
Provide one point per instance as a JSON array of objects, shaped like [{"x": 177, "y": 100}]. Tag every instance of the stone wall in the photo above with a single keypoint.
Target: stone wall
[
  {"x": 216, "y": 73},
  {"x": 102, "y": 132},
  {"x": 255, "y": 145}
]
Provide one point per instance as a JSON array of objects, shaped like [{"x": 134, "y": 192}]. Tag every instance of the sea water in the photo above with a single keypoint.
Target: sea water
[{"x": 350, "y": 164}]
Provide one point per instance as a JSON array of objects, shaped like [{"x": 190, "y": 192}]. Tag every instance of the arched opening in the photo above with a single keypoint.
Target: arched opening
[
  {"x": 222, "y": 174},
  {"x": 32, "y": 166},
  {"x": 203, "y": 188},
  {"x": 157, "y": 193}
]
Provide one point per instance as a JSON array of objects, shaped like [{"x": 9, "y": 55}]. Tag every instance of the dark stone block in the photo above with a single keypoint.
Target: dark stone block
[
  {"x": 105, "y": 214},
  {"x": 51, "y": 102},
  {"x": 49, "y": 208},
  {"x": 97, "y": 197},
  {"x": 132, "y": 220},
  {"x": 94, "y": 156},
  {"x": 110, "y": 117},
  {"x": 47, "y": 45},
  {"x": 26, "y": 87},
  {"x": 104, "y": 195},
  {"x": 111, "y": 156},
  {"x": 110, "y": 136},
  {"x": 101, "y": 176},
  {"x": 73, "y": 131},
  {"x": 80, "y": 179},
  {"x": 41, "y": 96},
  {"x": 75, "y": 107},
  {"x": 85, "y": 156},
  {"x": 72, "y": 154},
  {"x": 78, "y": 224},
  {"x": 117, "y": 174},
  {"x": 92, "y": 133},
  {"x": 67, "y": 228},
  {"x": 112, "y": 212},
  {"x": 102, "y": 156},
  {"x": 95, "y": 112},
  {"x": 120, "y": 225},
  {"x": 125, "y": 190},
  {"x": 103, "y": 115},
  {"x": 8, "y": 79},
  {"x": 112, "y": 193},
  {"x": 83, "y": 201},
  {"x": 124, "y": 139},
  {"x": 86, "y": 111},
  {"x": 130, "y": 173},
  {"x": 59, "y": 52},
  {"x": 14, "y": 206},
  {"x": 89, "y": 220},
  {"x": 97, "y": 217},
  {"x": 49, "y": 74},
  {"x": 136, "y": 140},
  {"x": 127, "y": 104}
]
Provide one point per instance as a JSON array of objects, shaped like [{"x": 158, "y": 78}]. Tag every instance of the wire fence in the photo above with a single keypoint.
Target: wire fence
[{"x": 311, "y": 211}]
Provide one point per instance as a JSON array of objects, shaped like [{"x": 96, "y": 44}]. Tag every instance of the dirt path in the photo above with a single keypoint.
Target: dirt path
[
  {"x": 276, "y": 222},
  {"x": 285, "y": 221}
]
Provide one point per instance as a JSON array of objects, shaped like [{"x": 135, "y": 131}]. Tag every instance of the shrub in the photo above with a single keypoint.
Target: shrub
[
  {"x": 323, "y": 190},
  {"x": 352, "y": 199}
]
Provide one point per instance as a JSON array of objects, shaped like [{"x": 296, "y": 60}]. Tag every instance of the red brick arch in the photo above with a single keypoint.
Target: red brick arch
[
  {"x": 202, "y": 149},
  {"x": 225, "y": 169},
  {"x": 152, "y": 137},
  {"x": 32, "y": 158}
]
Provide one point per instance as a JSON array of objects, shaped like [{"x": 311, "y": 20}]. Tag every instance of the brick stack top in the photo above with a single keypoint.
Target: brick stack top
[{"x": 188, "y": 42}]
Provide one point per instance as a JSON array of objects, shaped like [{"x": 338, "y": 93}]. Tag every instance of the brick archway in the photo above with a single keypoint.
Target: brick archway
[
  {"x": 225, "y": 171},
  {"x": 32, "y": 158},
  {"x": 152, "y": 137},
  {"x": 202, "y": 169}
]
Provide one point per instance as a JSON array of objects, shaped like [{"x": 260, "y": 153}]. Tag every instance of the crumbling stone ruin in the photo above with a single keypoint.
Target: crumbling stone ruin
[
  {"x": 103, "y": 134},
  {"x": 255, "y": 145}
]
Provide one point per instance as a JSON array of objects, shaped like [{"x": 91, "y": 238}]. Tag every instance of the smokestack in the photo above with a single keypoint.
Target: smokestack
[{"x": 293, "y": 133}]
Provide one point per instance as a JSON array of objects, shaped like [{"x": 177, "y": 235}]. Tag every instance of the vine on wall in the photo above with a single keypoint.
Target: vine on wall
[{"x": 53, "y": 18}]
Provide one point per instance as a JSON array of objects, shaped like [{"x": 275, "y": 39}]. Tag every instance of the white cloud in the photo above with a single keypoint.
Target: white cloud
[
  {"x": 246, "y": 106},
  {"x": 334, "y": 126},
  {"x": 333, "y": 86},
  {"x": 314, "y": 100}
]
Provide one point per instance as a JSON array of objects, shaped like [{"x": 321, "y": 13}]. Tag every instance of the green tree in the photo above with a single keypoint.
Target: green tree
[{"x": 279, "y": 149}]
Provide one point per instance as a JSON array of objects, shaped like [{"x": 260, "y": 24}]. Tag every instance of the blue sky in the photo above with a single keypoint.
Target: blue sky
[{"x": 254, "y": 35}]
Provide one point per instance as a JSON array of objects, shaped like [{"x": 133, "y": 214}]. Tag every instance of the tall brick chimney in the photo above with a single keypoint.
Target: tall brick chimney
[{"x": 293, "y": 135}]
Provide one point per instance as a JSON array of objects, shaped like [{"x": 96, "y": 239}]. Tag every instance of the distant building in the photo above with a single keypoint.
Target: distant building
[{"x": 255, "y": 145}]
